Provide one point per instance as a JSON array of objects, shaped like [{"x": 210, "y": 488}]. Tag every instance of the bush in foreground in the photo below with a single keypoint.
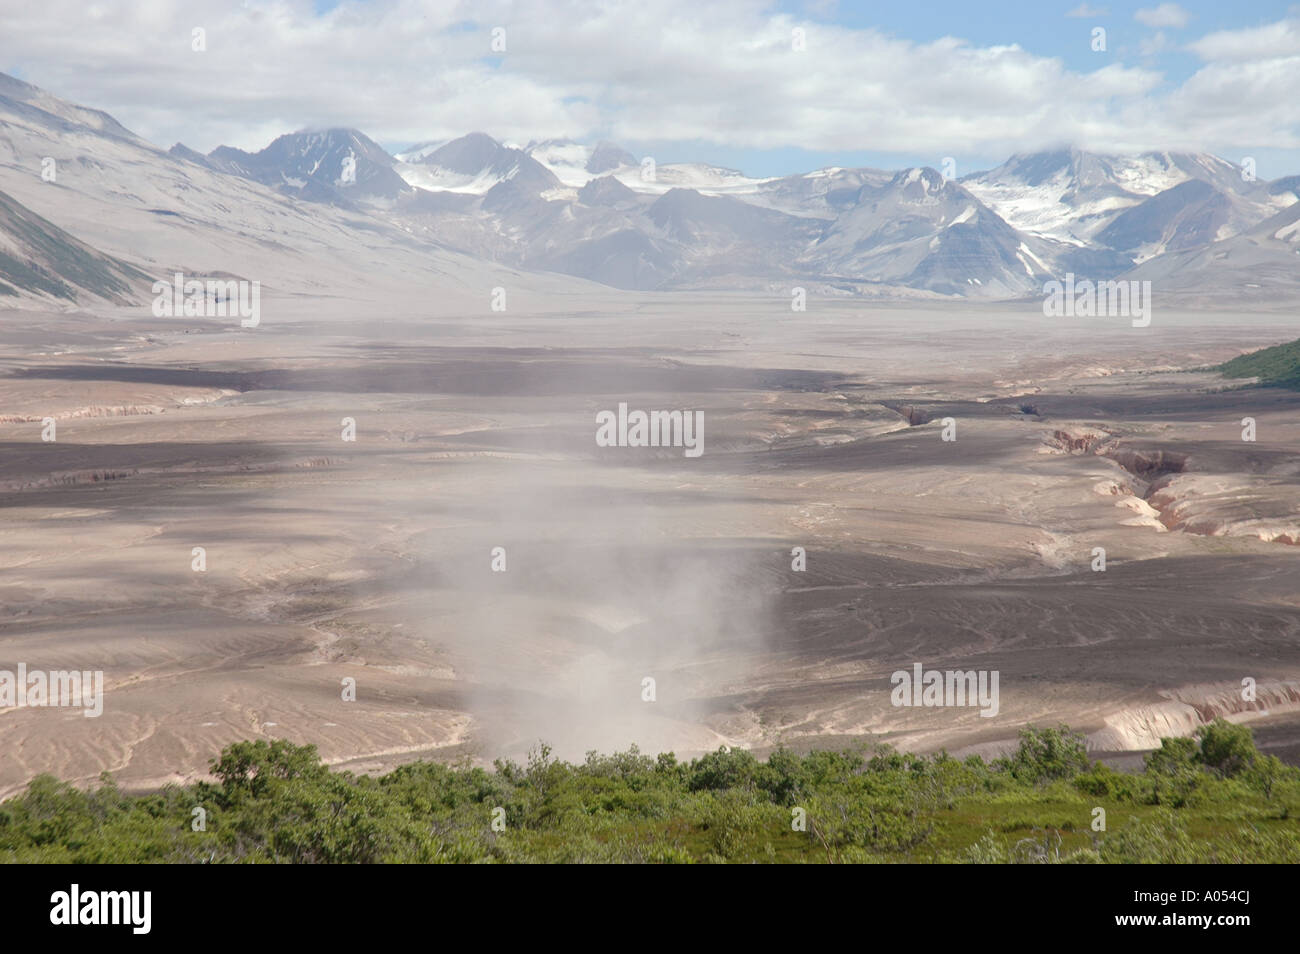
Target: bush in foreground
[{"x": 1212, "y": 798}]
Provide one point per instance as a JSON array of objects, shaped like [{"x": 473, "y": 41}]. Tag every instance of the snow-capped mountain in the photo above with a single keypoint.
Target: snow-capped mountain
[
  {"x": 919, "y": 229},
  {"x": 575, "y": 164},
  {"x": 598, "y": 212},
  {"x": 475, "y": 164},
  {"x": 607, "y": 157},
  {"x": 1078, "y": 197},
  {"x": 95, "y": 205},
  {"x": 824, "y": 193},
  {"x": 332, "y": 199},
  {"x": 924, "y": 231},
  {"x": 419, "y": 150},
  {"x": 331, "y": 165}
]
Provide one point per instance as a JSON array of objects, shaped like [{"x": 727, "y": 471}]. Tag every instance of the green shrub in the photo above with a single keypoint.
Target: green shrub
[
  {"x": 1213, "y": 798},
  {"x": 1046, "y": 754}
]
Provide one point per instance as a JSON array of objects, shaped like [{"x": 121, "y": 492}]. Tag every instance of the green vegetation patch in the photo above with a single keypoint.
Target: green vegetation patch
[
  {"x": 1212, "y": 798},
  {"x": 1278, "y": 366}
]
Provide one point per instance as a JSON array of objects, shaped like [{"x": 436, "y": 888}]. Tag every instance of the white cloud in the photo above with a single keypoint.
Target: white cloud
[
  {"x": 1153, "y": 45},
  {"x": 1165, "y": 15},
  {"x": 1083, "y": 10},
  {"x": 821, "y": 8},
  {"x": 677, "y": 70},
  {"x": 1275, "y": 39}
]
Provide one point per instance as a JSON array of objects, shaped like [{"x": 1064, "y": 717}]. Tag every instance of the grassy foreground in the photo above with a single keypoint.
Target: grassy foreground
[
  {"x": 1213, "y": 798},
  {"x": 1278, "y": 366}
]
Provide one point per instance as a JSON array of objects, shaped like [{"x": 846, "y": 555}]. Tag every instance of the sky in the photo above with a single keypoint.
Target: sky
[{"x": 767, "y": 88}]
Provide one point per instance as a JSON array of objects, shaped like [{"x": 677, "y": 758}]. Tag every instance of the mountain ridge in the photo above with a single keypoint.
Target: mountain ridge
[{"x": 594, "y": 212}]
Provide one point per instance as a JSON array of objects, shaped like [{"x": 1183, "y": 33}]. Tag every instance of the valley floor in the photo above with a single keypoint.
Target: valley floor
[{"x": 328, "y": 560}]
